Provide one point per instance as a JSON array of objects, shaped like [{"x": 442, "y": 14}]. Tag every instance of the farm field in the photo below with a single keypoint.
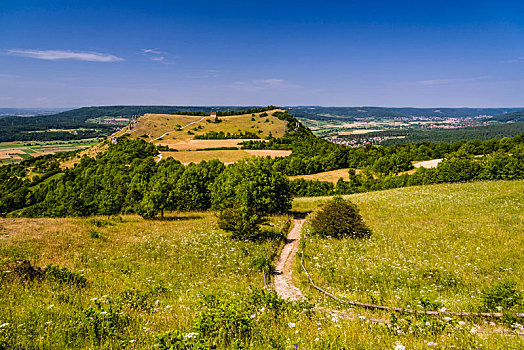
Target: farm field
[
  {"x": 432, "y": 247},
  {"x": 12, "y": 152},
  {"x": 225, "y": 156}
]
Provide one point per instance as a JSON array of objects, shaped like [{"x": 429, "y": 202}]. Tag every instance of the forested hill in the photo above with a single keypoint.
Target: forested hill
[
  {"x": 78, "y": 123},
  {"x": 319, "y": 112},
  {"x": 511, "y": 117}
]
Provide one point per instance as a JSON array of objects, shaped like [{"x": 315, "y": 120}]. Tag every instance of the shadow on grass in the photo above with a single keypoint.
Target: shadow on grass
[{"x": 300, "y": 214}]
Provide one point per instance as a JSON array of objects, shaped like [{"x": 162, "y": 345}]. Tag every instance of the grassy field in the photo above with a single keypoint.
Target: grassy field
[
  {"x": 437, "y": 247},
  {"x": 185, "y": 276},
  {"x": 12, "y": 152},
  {"x": 155, "y": 271}
]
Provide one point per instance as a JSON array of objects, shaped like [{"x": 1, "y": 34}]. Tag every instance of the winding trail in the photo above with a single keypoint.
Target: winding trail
[{"x": 284, "y": 270}]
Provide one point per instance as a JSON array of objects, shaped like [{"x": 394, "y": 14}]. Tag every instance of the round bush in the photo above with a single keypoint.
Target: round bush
[{"x": 339, "y": 218}]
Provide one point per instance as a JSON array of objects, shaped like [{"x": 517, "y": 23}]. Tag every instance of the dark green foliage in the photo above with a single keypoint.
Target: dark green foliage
[
  {"x": 339, "y": 218},
  {"x": 255, "y": 184},
  {"x": 503, "y": 295},
  {"x": 213, "y": 135},
  {"x": 165, "y": 148},
  {"x": 23, "y": 271},
  {"x": 217, "y": 149},
  {"x": 242, "y": 222},
  {"x": 64, "y": 276},
  {"x": 102, "y": 322}
]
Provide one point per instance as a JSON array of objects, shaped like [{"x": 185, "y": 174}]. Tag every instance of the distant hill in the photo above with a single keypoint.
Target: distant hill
[
  {"x": 511, "y": 117},
  {"x": 319, "y": 113},
  {"x": 77, "y": 123}
]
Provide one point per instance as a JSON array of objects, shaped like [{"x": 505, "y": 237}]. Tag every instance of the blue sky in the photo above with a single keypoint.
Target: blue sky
[{"x": 333, "y": 53}]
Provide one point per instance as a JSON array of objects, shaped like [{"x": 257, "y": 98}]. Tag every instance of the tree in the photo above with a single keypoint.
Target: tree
[
  {"x": 252, "y": 183},
  {"x": 247, "y": 192},
  {"x": 339, "y": 218}
]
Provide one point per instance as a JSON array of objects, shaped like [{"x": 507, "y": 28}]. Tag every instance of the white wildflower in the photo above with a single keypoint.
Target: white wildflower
[
  {"x": 291, "y": 325},
  {"x": 399, "y": 346}
]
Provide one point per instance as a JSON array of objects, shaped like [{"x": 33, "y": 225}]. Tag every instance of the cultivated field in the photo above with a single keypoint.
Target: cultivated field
[
  {"x": 436, "y": 246},
  {"x": 12, "y": 152}
]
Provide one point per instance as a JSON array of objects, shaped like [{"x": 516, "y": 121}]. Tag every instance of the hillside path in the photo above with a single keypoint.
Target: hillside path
[
  {"x": 169, "y": 132},
  {"x": 283, "y": 273}
]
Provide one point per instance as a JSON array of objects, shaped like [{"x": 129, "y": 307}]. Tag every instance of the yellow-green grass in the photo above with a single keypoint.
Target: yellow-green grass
[
  {"x": 442, "y": 243},
  {"x": 188, "y": 255},
  {"x": 225, "y": 156},
  {"x": 185, "y": 253}
]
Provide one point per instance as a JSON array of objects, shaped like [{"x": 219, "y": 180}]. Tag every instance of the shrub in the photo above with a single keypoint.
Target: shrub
[
  {"x": 339, "y": 218},
  {"x": 242, "y": 222},
  {"x": 501, "y": 295}
]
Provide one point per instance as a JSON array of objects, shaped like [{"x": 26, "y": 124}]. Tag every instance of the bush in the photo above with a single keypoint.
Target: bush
[
  {"x": 339, "y": 218},
  {"x": 242, "y": 222},
  {"x": 501, "y": 295}
]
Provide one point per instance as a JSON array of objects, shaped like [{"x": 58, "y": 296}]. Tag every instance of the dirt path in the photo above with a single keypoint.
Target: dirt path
[{"x": 283, "y": 274}]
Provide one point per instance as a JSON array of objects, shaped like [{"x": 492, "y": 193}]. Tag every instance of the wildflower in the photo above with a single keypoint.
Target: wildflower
[
  {"x": 191, "y": 335},
  {"x": 50, "y": 306},
  {"x": 103, "y": 312},
  {"x": 461, "y": 323},
  {"x": 4, "y": 325},
  {"x": 291, "y": 325},
  {"x": 399, "y": 346},
  {"x": 442, "y": 309}
]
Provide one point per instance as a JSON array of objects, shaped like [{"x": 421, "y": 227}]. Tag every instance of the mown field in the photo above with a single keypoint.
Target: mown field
[
  {"x": 226, "y": 156},
  {"x": 434, "y": 247}
]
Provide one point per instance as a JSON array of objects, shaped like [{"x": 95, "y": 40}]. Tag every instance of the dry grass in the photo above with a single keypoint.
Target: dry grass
[
  {"x": 225, "y": 156},
  {"x": 331, "y": 176}
]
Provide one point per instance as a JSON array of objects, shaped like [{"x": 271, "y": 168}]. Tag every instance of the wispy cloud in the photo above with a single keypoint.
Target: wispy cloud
[
  {"x": 265, "y": 84},
  {"x": 515, "y": 60},
  {"x": 448, "y": 81},
  {"x": 157, "y": 55},
  {"x": 53, "y": 55}
]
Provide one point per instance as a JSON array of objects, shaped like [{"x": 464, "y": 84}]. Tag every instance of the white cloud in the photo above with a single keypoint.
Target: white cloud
[
  {"x": 156, "y": 55},
  {"x": 265, "y": 84},
  {"x": 434, "y": 82},
  {"x": 53, "y": 55}
]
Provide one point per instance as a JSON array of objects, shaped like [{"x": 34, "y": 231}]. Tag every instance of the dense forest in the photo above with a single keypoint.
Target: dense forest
[{"x": 125, "y": 178}]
